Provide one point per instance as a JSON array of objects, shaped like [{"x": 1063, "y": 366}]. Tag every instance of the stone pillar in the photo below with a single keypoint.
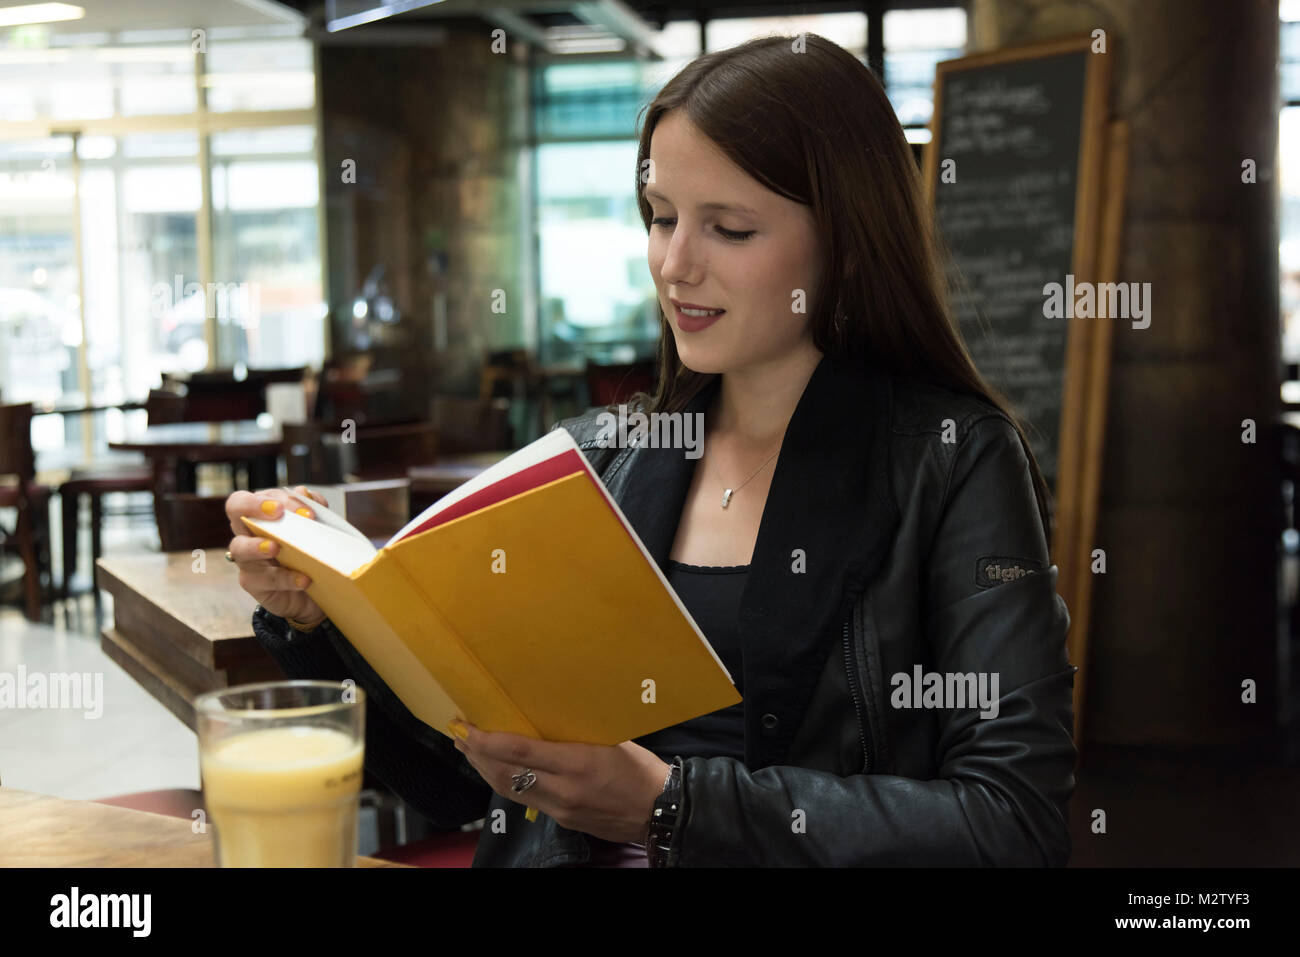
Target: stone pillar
[
  {"x": 1186, "y": 610},
  {"x": 437, "y": 133}
]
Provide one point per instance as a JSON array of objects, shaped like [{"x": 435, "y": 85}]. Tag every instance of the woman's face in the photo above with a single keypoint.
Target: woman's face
[{"x": 722, "y": 240}]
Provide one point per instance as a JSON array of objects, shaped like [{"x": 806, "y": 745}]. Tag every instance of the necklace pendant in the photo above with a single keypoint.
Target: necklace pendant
[{"x": 726, "y": 497}]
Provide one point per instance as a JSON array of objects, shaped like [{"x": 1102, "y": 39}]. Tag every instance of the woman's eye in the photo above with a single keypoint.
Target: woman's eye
[{"x": 730, "y": 234}]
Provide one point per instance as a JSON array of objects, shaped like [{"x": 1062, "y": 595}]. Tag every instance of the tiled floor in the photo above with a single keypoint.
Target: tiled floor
[{"x": 136, "y": 744}]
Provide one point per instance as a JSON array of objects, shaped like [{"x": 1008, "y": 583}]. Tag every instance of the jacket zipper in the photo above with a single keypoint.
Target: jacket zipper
[{"x": 853, "y": 689}]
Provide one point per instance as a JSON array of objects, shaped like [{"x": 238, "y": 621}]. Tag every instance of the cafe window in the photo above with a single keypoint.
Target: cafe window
[
  {"x": 597, "y": 298},
  {"x": 915, "y": 41},
  {"x": 128, "y": 166},
  {"x": 1288, "y": 151}
]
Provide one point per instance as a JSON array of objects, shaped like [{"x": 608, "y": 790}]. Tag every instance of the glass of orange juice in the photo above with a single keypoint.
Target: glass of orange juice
[{"x": 281, "y": 764}]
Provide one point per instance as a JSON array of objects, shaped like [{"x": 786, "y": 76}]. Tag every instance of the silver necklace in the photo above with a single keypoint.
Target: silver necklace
[{"x": 726, "y": 495}]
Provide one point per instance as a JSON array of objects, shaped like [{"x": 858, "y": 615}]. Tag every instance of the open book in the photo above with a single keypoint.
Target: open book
[{"x": 523, "y": 601}]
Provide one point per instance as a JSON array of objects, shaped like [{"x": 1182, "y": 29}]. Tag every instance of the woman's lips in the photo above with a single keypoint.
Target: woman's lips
[{"x": 695, "y": 323}]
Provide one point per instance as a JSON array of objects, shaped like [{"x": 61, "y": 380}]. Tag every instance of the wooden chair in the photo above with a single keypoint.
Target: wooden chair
[
  {"x": 471, "y": 425},
  {"x": 217, "y": 396},
  {"x": 31, "y": 532},
  {"x": 613, "y": 384},
  {"x": 162, "y": 405},
  {"x": 340, "y": 393},
  {"x": 165, "y": 405},
  {"x": 307, "y": 458},
  {"x": 187, "y": 522},
  {"x": 385, "y": 452},
  {"x": 507, "y": 374}
]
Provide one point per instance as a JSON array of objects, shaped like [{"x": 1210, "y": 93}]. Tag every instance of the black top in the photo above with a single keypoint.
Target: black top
[{"x": 712, "y": 595}]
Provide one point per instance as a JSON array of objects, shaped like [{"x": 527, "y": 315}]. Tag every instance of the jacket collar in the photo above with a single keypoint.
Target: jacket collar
[{"x": 828, "y": 522}]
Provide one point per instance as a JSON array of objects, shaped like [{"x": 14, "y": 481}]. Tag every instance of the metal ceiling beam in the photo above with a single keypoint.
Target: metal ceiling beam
[{"x": 619, "y": 19}]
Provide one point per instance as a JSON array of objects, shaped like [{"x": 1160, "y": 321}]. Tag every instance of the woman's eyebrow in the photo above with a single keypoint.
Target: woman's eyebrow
[{"x": 734, "y": 207}]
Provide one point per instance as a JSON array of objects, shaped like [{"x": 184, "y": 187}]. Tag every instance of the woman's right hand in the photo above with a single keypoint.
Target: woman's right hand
[{"x": 279, "y": 590}]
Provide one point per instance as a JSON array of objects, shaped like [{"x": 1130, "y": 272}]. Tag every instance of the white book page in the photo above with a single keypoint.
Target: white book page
[
  {"x": 343, "y": 552},
  {"x": 548, "y": 446}
]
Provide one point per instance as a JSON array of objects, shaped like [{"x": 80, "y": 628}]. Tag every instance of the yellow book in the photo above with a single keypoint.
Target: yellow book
[{"x": 523, "y": 602}]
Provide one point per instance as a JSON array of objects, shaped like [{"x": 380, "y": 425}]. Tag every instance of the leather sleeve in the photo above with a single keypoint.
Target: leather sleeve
[
  {"x": 419, "y": 765},
  {"x": 1003, "y": 784}
]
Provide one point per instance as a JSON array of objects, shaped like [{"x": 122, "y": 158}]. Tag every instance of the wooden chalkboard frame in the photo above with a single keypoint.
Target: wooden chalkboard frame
[{"x": 1098, "y": 216}]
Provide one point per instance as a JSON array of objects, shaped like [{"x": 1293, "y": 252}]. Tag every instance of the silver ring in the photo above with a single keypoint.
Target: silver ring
[
  {"x": 523, "y": 780},
  {"x": 229, "y": 557}
]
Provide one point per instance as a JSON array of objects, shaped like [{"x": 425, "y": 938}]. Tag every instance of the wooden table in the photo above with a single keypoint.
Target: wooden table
[
  {"x": 52, "y": 408},
  {"x": 41, "y": 831},
  {"x": 179, "y": 632},
  {"x": 175, "y": 448}
]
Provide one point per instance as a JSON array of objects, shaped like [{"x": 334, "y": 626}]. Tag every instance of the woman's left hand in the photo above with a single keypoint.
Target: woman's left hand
[{"x": 606, "y": 791}]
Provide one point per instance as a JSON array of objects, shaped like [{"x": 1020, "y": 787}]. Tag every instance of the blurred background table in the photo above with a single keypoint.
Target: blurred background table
[{"x": 174, "y": 448}]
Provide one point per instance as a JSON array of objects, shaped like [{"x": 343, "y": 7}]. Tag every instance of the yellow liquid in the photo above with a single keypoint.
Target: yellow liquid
[{"x": 284, "y": 797}]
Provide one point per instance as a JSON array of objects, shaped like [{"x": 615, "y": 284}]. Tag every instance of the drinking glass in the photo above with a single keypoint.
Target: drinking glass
[{"x": 281, "y": 763}]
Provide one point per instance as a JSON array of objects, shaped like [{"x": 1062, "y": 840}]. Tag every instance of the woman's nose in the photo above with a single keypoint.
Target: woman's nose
[{"x": 681, "y": 263}]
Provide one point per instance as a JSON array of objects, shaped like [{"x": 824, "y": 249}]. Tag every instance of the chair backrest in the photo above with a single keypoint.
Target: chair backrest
[
  {"x": 164, "y": 405},
  {"x": 193, "y": 521},
  {"x": 288, "y": 374},
  {"x": 471, "y": 425},
  {"x": 387, "y": 451},
  {"x": 340, "y": 393},
  {"x": 217, "y": 397},
  {"x": 16, "y": 454},
  {"x": 307, "y": 458},
  {"x": 612, "y": 384},
  {"x": 505, "y": 373}
]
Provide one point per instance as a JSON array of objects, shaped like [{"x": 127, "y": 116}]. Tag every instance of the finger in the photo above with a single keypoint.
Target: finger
[
  {"x": 253, "y": 550},
  {"x": 264, "y": 577},
  {"x": 314, "y": 496},
  {"x": 515, "y": 749},
  {"x": 500, "y": 778},
  {"x": 269, "y": 504},
  {"x": 238, "y": 505},
  {"x": 300, "y": 504}
]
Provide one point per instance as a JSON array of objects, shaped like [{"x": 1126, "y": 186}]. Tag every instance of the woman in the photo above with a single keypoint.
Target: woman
[{"x": 864, "y": 540}]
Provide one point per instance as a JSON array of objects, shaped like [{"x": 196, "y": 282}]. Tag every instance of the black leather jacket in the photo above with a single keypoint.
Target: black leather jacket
[{"x": 900, "y": 531}]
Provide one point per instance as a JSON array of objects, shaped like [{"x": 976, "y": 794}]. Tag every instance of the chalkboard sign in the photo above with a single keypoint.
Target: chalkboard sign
[
  {"x": 1019, "y": 175},
  {"x": 1005, "y": 166},
  {"x": 1010, "y": 140}
]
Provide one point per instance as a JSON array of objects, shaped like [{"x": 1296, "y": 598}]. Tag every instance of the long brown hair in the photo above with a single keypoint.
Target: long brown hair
[{"x": 814, "y": 125}]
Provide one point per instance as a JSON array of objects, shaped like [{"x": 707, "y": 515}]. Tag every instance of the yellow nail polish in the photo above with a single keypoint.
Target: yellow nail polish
[
  {"x": 264, "y": 545},
  {"x": 530, "y": 814},
  {"x": 268, "y": 507},
  {"x": 303, "y": 512},
  {"x": 459, "y": 730}
]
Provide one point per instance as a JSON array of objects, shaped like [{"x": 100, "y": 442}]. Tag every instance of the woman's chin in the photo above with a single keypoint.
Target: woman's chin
[{"x": 702, "y": 361}]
